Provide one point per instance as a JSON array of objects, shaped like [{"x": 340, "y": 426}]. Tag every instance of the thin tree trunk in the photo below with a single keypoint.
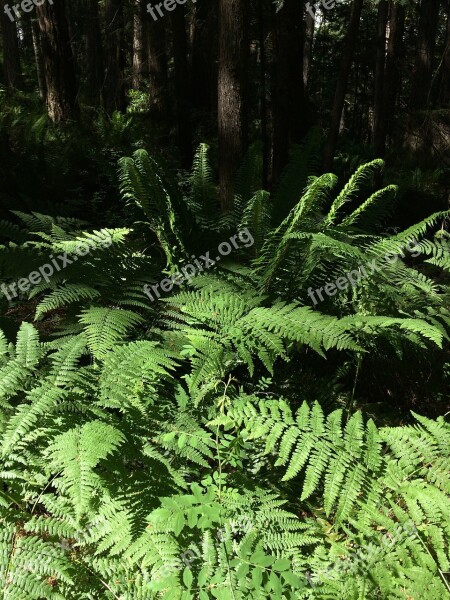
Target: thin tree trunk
[
  {"x": 62, "y": 104},
  {"x": 25, "y": 29},
  {"x": 423, "y": 71},
  {"x": 263, "y": 93},
  {"x": 342, "y": 82},
  {"x": 182, "y": 83},
  {"x": 94, "y": 52},
  {"x": 72, "y": 16},
  {"x": 290, "y": 121},
  {"x": 232, "y": 94},
  {"x": 157, "y": 66},
  {"x": 138, "y": 70},
  {"x": 11, "y": 56},
  {"x": 114, "y": 82},
  {"x": 378, "y": 109},
  {"x": 392, "y": 77},
  {"x": 309, "y": 25},
  {"x": 39, "y": 59},
  {"x": 443, "y": 84},
  {"x": 205, "y": 50}
]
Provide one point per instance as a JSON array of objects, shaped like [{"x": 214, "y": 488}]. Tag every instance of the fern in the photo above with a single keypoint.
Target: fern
[
  {"x": 105, "y": 327},
  {"x": 75, "y": 454},
  {"x": 228, "y": 441}
]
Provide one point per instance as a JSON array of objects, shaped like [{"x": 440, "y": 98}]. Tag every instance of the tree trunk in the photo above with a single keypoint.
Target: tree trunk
[
  {"x": 39, "y": 59},
  {"x": 25, "y": 27},
  {"x": 59, "y": 71},
  {"x": 342, "y": 82},
  {"x": 94, "y": 52},
  {"x": 182, "y": 83},
  {"x": 138, "y": 71},
  {"x": 263, "y": 94},
  {"x": 114, "y": 81},
  {"x": 157, "y": 65},
  {"x": 309, "y": 25},
  {"x": 423, "y": 71},
  {"x": 11, "y": 57},
  {"x": 443, "y": 86},
  {"x": 232, "y": 94},
  {"x": 392, "y": 76},
  {"x": 378, "y": 109},
  {"x": 290, "y": 122},
  {"x": 205, "y": 50},
  {"x": 73, "y": 10}
]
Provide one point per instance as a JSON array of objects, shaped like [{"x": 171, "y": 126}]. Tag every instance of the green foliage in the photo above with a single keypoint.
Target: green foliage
[
  {"x": 213, "y": 445},
  {"x": 143, "y": 182}
]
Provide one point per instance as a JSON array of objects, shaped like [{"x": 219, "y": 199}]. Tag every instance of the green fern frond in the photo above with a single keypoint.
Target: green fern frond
[{"x": 106, "y": 327}]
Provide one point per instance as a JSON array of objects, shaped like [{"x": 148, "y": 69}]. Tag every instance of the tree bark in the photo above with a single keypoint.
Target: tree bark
[
  {"x": 157, "y": 65},
  {"x": 11, "y": 56},
  {"x": 423, "y": 71},
  {"x": 27, "y": 39},
  {"x": 73, "y": 11},
  {"x": 290, "y": 121},
  {"x": 232, "y": 94},
  {"x": 443, "y": 85},
  {"x": 263, "y": 94},
  {"x": 39, "y": 59},
  {"x": 309, "y": 25},
  {"x": 205, "y": 50},
  {"x": 59, "y": 71},
  {"x": 114, "y": 81},
  {"x": 378, "y": 109},
  {"x": 182, "y": 83},
  {"x": 94, "y": 52},
  {"x": 392, "y": 75},
  {"x": 342, "y": 82},
  {"x": 138, "y": 70}
]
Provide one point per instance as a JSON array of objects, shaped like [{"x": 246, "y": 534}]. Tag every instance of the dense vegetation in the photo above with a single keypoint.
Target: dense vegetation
[{"x": 224, "y": 328}]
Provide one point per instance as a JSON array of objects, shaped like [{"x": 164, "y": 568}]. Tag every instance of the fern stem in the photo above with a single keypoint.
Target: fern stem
[
  {"x": 219, "y": 460},
  {"x": 350, "y": 404}
]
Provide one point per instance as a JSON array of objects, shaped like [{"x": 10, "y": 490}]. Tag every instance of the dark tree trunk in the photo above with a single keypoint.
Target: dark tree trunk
[
  {"x": 72, "y": 16},
  {"x": 58, "y": 62},
  {"x": 94, "y": 52},
  {"x": 205, "y": 48},
  {"x": 11, "y": 56},
  {"x": 232, "y": 94},
  {"x": 27, "y": 38},
  {"x": 114, "y": 81},
  {"x": 182, "y": 85},
  {"x": 290, "y": 121},
  {"x": 443, "y": 84},
  {"x": 378, "y": 109},
  {"x": 342, "y": 82},
  {"x": 263, "y": 93},
  {"x": 139, "y": 45},
  {"x": 39, "y": 59},
  {"x": 392, "y": 76},
  {"x": 423, "y": 70},
  {"x": 157, "y": 65},
  {"x": 309, "y": 25}
]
